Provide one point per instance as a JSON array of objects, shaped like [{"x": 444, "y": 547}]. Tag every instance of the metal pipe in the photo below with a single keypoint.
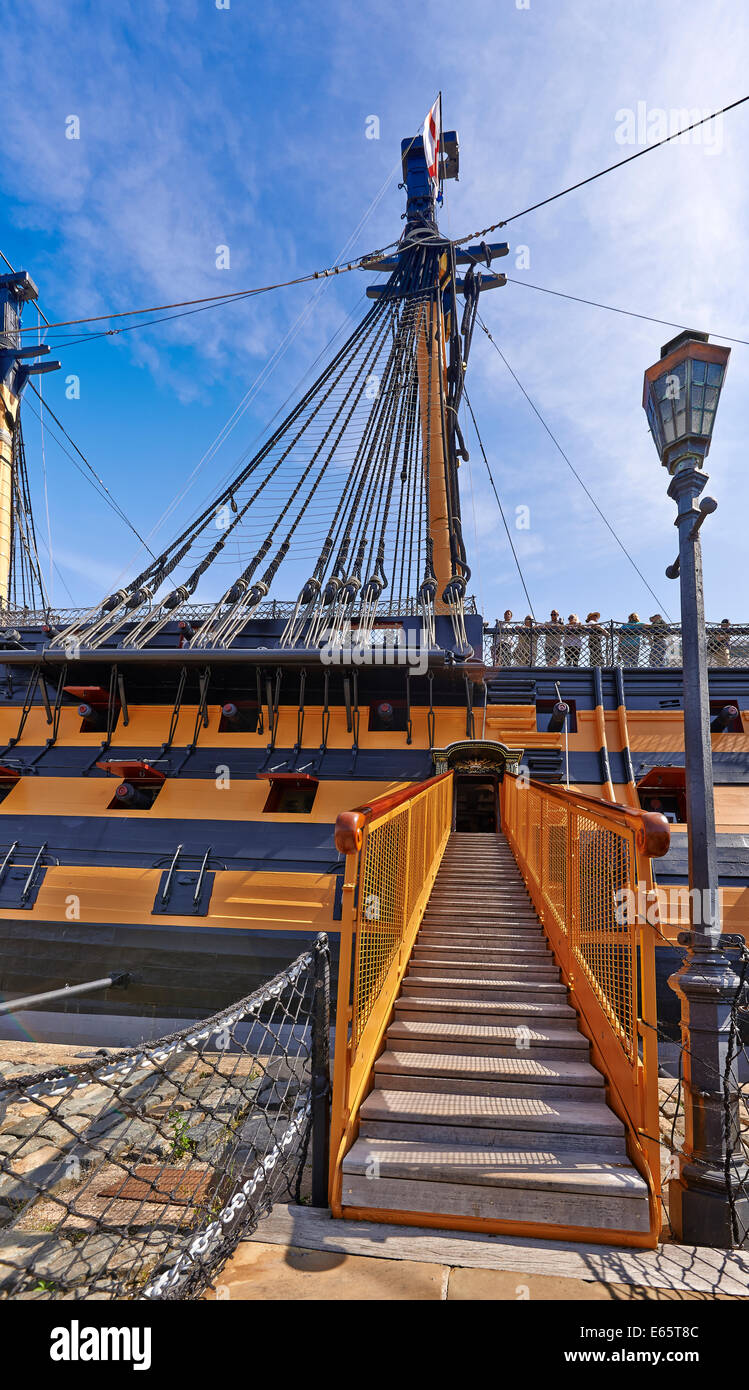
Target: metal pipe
[
  {"x": 28, "y": 1001},
  {"x": 621, "y": 714},
  {"x": 212, "y": 656},
  {"x": 603, "y": 747}
]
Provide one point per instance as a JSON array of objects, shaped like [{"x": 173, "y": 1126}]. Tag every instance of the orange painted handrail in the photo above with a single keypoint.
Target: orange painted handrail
[
  {"x": 584, "y": 859},
  {"x": 349, "y": 826},
  {"x": 651, "y": 828}
]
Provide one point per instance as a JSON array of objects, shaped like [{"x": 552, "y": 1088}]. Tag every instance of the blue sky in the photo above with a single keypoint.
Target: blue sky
[{"x": 246, "y": 127}]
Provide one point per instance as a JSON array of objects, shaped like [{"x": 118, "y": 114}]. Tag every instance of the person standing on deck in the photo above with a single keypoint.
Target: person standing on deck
[
  {"x": 629, "y": 641},
  {"x": 553, "y": 644},
  {"x": 573, "y": 641},
  {"x": 524, "y": 653},
  {"x": 505, "y": 640},
  {"x": 596, "y": 635},
  {"x": 720, "y": 644},
  {"x": 658, "y": 634}
]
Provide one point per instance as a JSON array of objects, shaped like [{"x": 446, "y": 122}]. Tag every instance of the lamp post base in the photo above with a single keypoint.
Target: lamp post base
[{"x": 709, "y": 1201}]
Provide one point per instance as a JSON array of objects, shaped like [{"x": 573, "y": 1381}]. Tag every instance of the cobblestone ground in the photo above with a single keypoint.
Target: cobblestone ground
[{"x": 86, "y": 1177}]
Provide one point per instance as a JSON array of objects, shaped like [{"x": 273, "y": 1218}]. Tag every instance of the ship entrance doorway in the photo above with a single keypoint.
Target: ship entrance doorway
[
  {"x": 476, "y": 805},
  {"x": 478, "y": 766}
]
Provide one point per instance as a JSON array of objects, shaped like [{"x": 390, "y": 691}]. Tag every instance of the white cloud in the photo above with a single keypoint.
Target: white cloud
[{"x": 171, "y": 165}]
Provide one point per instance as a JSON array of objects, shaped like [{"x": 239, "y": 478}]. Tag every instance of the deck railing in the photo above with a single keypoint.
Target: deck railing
[
  {"x": 647, "y": 645},
  {"x": 587, "y": 867},
  {"x": 393, "y": 850}
]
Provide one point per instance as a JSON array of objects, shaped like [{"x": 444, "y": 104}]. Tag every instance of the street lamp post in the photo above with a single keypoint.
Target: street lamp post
[{"x": 707, "y": 1200}]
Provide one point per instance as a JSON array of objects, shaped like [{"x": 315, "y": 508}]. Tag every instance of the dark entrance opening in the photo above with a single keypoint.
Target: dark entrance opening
[{"x": 476, "y": 805}]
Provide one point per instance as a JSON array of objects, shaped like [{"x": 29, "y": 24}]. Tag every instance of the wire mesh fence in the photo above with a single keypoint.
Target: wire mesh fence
[
  {"x": 135, "y": 1178},
  {"x": 627, "y": 644}
]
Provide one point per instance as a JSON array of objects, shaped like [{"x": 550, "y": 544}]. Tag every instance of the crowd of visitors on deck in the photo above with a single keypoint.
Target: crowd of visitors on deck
[{"x": 594, "y": 643}]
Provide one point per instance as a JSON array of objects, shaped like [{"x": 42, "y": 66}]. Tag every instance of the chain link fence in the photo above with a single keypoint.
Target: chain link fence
[
  {"x": 629, "y": 644},
  {"x": 136, "y": 1177}
]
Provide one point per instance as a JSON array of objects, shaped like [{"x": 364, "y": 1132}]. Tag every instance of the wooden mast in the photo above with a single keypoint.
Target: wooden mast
[
  {"x": 16, "y": 366},
  {"x": 430, "y": 366}
]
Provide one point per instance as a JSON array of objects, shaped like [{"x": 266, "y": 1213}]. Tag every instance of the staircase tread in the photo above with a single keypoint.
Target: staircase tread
[
  {"x": 559, "y": 1170},
  {"x": 446, "y": 1107},
  {"x": 437, "y": 962},
  {"x": 520, "y": 1069},
  {"x": 489, "y": 1033},
  {"x": 442, "y": 955},
  {"x": 490, "y": 955},
  {"x": 483, "y": 981},
  {"x": 521, "y": 1007}
]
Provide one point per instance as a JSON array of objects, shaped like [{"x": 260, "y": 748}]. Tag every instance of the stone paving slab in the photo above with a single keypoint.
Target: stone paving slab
[
  {"x": 476, "y": 1285},
  {"x": 679, "y": 1269},
  {"x": 262, "y": 1273}
]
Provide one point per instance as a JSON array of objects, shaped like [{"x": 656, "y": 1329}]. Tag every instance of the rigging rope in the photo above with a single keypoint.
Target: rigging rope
[
  {"x": 573, "y": 470},
  {"x": 571, "y": 188},
  {"x": 629, "y": 313},
  {"x": 499, "y": 504},
  {"x": 111, "y": 500},
  {"x": 363, "y": 261}
]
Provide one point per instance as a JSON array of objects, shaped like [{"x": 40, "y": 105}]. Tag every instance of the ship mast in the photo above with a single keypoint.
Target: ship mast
[
  {"x": 16, "y": 290},
  {"x": 421, "y": 224},
  {"x": 360, "y": 477}
]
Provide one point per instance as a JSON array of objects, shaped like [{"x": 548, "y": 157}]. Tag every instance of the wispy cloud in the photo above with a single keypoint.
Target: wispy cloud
[{"x": 201, "y": 128}]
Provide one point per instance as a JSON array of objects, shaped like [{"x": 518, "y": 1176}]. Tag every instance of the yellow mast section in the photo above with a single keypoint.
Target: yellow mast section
[{"x": 431, "y": 368}]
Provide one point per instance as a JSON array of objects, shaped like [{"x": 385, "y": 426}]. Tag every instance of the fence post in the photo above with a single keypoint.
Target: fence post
[{"x": 320, "y": 1081}]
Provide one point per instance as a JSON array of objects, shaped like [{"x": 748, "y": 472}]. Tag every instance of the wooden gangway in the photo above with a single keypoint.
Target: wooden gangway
[
  {"x": 499, "y": 1067},
  {"x": 485, "y": 1103}
]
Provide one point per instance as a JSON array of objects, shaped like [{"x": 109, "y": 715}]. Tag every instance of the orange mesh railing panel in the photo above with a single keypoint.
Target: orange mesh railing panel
[
  {"x": 393, "y": 851},
  {"x": 583, "y": 861}
]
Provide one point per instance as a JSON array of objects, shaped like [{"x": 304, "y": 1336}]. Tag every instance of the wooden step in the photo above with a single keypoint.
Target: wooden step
[
  {"x": 479, "y": 889},
  {"x": 507, "y": 937},
  {"x": 467, "y": 950},
  {"x": 464, "y": 920},
  {"x": 496, "y": 1121},
  {"x": 498, "y": 907},
  {"x": 536, "y": 953},
  {"x": 514, "y": 1012},
  {"x": 559, "y": 1188},
  {"x": 478, "y": 904},
  {"x": 481, "y": 987},
  {"x": 515, "y": 932},
  {"x": 569, "y": 1076},
  {"x": 554, "y": 1040},
  {"x": 424, "y": 967},
  {"x": 461, "y": 919},
  {"x": 494, "y": 902},
  {"x": 480, "y": 875},
  {"x": 494, "y": 953}
]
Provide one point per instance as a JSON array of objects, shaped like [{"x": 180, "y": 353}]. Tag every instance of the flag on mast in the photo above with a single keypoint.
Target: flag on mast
[{"x": 433, "y": 140}]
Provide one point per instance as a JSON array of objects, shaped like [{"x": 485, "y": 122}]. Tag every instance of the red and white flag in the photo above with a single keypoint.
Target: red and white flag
[{"x": 433, "y": 140}]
